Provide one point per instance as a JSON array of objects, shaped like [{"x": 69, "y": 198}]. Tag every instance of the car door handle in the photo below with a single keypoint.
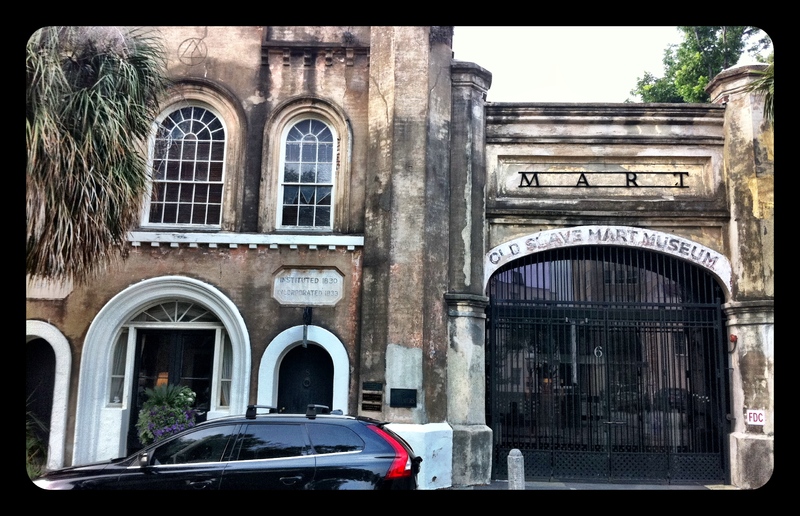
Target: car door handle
[
  {"x": 202, "y": 484},
  {"x": 287, "y": 481}
]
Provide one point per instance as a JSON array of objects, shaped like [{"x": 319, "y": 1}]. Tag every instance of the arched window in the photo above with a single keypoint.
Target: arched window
[
  {"x": 188, "y": 169},
  {"x": 307, "y": 172}
]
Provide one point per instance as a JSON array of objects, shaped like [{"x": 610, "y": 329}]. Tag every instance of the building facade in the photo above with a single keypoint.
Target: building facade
[{"x": 338, "y": 216}]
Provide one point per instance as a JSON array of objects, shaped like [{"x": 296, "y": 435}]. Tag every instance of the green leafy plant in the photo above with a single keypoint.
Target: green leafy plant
[
  {"x": 167, "y": 411},
  {"x": 35, "y": 448}
]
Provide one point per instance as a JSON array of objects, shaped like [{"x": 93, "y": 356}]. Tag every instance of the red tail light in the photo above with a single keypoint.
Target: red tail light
[{"x": 401, "y": 465}]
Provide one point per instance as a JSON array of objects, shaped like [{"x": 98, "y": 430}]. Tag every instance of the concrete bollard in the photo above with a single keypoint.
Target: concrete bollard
[{"x": 516, "y": 470}]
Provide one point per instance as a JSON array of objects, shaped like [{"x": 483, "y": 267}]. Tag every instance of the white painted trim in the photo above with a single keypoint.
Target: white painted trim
[
  {"x": 58, "y": 414},
  {"x": 289, "y": 339},
  {"x": 234, "y": 239},
  {"x": 99, "y": 429},
  {"x": 625, "y": 236}
]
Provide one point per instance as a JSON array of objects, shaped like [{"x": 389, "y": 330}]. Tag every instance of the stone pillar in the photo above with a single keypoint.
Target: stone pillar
[
  {"x": 466, "y": 301},
  {"x": 404, "y": 318},
  {"x": 748, "y": 167}
]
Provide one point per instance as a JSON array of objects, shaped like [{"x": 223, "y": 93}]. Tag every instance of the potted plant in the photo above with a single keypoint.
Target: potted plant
[{"x": 167, "y": 411}]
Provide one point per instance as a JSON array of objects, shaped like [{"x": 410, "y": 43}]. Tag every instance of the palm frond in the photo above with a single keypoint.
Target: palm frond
[{"x": 92, "y": 94}]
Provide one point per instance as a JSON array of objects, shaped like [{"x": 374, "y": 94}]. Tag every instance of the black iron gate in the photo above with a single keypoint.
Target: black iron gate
[{"x": 607, "y": 364}]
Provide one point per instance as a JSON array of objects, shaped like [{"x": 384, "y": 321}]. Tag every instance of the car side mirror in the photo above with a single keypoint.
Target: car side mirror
[{"x": 144, "y": 459}]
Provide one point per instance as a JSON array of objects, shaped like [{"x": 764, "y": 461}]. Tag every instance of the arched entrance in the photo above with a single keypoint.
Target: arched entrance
[
  {"x": 607, "y": 362},
  {"x": 106, "y": 388},
  {"x": 40, "y": 335},
  {"x": 285, "y": 343}
]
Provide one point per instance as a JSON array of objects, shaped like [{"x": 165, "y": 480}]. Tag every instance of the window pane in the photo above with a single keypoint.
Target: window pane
[
  {"x": 170, "y": 213},
  {"x": 273, "y": 441},
  {"x": 325, "y": 152},
  {"x": 189, "y": 151},
  {"x": 290, "y": 215},
  {"x": 204, "y": 445},
  {"x": 187, "y": 171},
  {"x": 290, "y": 173},
  {"x": 199, "y": 215},
  {"x": 159, "y": 169},
  {"x": 292, "y": 151},
  {"x": 323, "y": 216},
  {"x": 306, "y": 216},
  {"x": 187, "y": 193},
  {"x": 307, "y": 194},
  {"x": 309, "y": 152},
  {"x": 184, "y": 213},
  {"x": 203, "y": 150},
  {"x": 226, "y": 371},
  {"x": 173, "y": 169},
  {"x": 334, "y": 439},
  {"x": 324, "y": 172},
  {"x": 214, "y": 172},
  {"x": 118, "y": 369},
  {"x": 324, "y": 195},
  {"x": 215, "y": 194},
  {"x": 290, "y": 194},
  {"x": 214, "y": 215}
]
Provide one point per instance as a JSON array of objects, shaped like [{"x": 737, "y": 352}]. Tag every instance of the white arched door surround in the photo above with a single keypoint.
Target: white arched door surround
[
  {"x": 268, "y": 371},
  {"x": 625, "y": 236},
  {"x": 58, "y": 416},
  {"x": 99, "y": 428}
]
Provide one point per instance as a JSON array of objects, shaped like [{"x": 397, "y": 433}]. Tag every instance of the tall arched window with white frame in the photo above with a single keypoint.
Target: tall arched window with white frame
[
  {"x": 308, "y": 169},
  {"x": 188, "y": 169}
]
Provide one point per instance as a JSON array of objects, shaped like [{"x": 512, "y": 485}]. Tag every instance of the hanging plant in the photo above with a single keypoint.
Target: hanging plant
[{"x": 167, "y": 411}]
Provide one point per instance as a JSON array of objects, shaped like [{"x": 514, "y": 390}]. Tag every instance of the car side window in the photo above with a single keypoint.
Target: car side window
[
  {"x": 203, "y": 445},
  {"x": 334, "y": 439},
  {"x": 272, "y": 441}
]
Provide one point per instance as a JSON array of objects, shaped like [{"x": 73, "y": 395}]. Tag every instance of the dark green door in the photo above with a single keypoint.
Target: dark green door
[{"x": 306, "y": 377}]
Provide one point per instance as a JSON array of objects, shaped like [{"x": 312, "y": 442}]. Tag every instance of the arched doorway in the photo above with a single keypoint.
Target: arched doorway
[
  {"x": 48, "y": 373},
  {"x": 106, "y": 386},
  {"x": 306, "y": 377},
  {"x": 270, "y": 369},
  {"x": 607, "y": 363},
  {"x": 40, "y": 369}
]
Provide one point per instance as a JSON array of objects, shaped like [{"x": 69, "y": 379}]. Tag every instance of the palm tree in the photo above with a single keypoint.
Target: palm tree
[
  {"x": 765, "y": 86},
  {"x": 92, "y": 95}
]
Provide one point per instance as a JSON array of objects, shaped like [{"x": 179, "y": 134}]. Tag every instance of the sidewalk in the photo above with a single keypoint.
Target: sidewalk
[{"x": 498, "y": 485}]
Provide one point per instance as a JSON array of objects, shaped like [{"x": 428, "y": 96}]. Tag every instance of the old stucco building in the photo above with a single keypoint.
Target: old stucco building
[{"x": 339, "y": 216}]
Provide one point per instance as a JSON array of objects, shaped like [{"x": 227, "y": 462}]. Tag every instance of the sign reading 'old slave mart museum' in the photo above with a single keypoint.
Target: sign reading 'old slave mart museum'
[{"x": 308, "y": 287}]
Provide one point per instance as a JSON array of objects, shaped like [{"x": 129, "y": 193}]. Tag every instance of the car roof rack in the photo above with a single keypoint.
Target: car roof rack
[
  {"x": 251, "y": 410},
  {"x": 313, "y": 411}
]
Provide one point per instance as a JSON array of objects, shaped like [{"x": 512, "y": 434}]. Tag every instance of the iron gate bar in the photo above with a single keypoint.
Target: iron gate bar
[{"x": 607, "y": 363}]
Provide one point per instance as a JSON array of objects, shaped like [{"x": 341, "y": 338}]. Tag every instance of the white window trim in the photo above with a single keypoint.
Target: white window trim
[{"x": 284, "y": 116}]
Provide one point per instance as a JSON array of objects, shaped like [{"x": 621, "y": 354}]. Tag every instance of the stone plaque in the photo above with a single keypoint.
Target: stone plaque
[{"x": 308, "y": 287}]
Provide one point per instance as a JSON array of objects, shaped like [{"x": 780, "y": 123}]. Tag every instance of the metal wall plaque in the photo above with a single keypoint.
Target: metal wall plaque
[
  {"x": 403, "y": 398},
  {"x": 308, "y": 287}
]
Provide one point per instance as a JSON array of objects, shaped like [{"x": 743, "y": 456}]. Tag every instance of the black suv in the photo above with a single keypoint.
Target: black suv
[{"x": 316, "y": 450}]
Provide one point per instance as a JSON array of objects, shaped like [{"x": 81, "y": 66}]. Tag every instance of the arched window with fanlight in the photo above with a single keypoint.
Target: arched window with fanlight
[
  {"x": 188, "y": 169},
  {"x": 307, "y": 174}
]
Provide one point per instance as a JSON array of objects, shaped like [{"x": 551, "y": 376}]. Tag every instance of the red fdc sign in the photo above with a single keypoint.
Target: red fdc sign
[{"x": 756, "y": 417}]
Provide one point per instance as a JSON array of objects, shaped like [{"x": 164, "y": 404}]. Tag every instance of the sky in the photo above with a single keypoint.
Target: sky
[{"x": 564, "y": 64}]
